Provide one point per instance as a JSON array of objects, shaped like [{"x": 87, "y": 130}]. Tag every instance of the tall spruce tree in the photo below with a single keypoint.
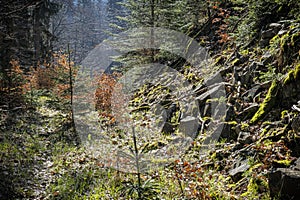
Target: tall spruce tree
[
  {"x": 178, "y": 15},
  {"x": 115, "y": 12},
  {"x": 24, "y": 32}
]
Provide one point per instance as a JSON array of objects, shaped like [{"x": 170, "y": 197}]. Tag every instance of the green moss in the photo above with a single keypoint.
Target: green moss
[
  {"x": 264, "y": 132},
  {"x": 235, "y": 61},
  {"x": 283, "y": 40},
  {"x": 265, "y": 123},
  {"x": 175, "y": 117},
  {"x": 213, "y": 156},
  {"x": 137, "y": 100},
  {"x": 218, "y": 59},
  {"x": 252, "y": 189},
  {"x": 190, "y": 76},
  {"x": 244, "y": 126},
  {"x": 256, "y": 185},
  {"x": 245, "y": 52},
  {"x": 141, "y": 108},
  {"x": 292, "y": 75},
  {"x": 152, "y": 146},
  {"x": 267, "y": 103},
  {"x": 255, "y": 166},
  {"x": 289, "y": 78},
  {"x": 285, "y": 163},
  {"x": 284, "y": 114},
  {"x": 234, "y": 123}
]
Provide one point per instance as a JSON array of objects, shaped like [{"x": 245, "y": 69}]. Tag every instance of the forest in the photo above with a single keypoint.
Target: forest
[{"x": 150, "y": 99}]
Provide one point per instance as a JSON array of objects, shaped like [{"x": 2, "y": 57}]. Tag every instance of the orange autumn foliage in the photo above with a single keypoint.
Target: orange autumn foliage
[
  {"x": 107, "y": 86},
  {"x": 53, "y": 76}
]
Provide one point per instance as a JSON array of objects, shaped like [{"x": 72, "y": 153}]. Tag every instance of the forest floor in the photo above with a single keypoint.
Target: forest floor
[
  {"x": 30, "y": 140},
  {"x": 41, "y": 158}
]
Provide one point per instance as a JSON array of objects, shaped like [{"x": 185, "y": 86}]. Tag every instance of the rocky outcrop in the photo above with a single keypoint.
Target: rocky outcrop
[{"x": 271, "y": 30}]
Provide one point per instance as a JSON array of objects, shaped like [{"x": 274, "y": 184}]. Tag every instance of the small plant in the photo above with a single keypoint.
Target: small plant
[
  {"x": 270, "y": 74},
  {"x": 140, "y": 188}
]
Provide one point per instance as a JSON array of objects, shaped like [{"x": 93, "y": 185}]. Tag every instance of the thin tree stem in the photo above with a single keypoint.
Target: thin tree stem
[
  {"x": 71, "y": 85},
  {"x": 137, "y": 162}
]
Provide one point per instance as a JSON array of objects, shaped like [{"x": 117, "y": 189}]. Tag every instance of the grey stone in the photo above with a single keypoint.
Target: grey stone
[
  {"x": 239, "y": 169},
  {"x": 211, "y": 91},
  {"x": 296, "y": 124},
  {"x": 245, "y": 138},
  {"x": 297, "y": 165},
  {"x": 275, "y": 26},
  {"x": 189, "y": 126},
  {"x": 190, "y": 109},
  {"x": 249, "y": 111},
  {"x": 251, "y": 93},
  {"x": 206, "y": 110},
  {"x": 268, "y": 34},
  {"x": 282, "y": 32},
  {"x": 160, "y": 114},
  {"x": 246, "y": 78},
  {"x": 226, "y": 130},
  {"x": 168, "y": 128},
  {"x": 284, "y": 183},
  {"x": 267, "y": 58},
  {"x": 216, "y": 78},
  {"x": 171, "y": 109},
  {"x": 230, "y": 114},
  {"x": 264, "y": 42}
]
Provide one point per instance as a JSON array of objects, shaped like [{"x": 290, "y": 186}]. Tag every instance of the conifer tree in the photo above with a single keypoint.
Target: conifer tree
[
  {"x": 178, "y": 15},
  {"x": 24, "y": 31}
]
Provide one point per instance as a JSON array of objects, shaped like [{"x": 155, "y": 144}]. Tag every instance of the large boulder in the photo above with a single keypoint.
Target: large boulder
[
  {"x": 284, "y": 184},
  {"x": 189, "y": 126}
]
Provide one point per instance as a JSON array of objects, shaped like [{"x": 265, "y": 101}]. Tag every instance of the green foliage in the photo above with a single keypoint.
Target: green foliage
[
  {"x": 259, "y": 13},
  {"x": 253, "y": 188},
  {"x": 285, "y": 163},
  {"x": 80, "y": 177},
  {"x": 270, "y": 74},
  {"x": 147, "y": 189},
  {"x": 171, "y": 14}
]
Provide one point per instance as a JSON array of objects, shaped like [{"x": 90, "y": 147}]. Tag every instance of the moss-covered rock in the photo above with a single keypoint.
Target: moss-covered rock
[
  {"x": 292, "y": 75},
  {"x": 267, "y": 104}
]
